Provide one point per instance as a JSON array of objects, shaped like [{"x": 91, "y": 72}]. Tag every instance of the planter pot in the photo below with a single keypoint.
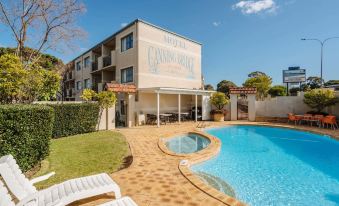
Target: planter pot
[{"x": 218, "y": 117}]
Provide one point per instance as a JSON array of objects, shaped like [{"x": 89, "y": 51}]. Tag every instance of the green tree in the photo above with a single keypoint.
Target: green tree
[
  {"x": 331, "y": 82},
  {"x": 46, "y": 61},
  {"x": 219, "y": 100},
  {"x": 12, "y": 78},
  {"x": 209, "y": 87},
  {"x": 256, "y": 74},
  {"x": 19, "y": 85},
  {"x": 106, "y": 99},
  {"x": 314, "y": 82},
  {"x": 88, "y": 95},
  {"x": 262, "y": 83},
  {"x": 224, "y": 87},
  {"x": 51, "y": 85},
  {"x": 277, "y": 90},
  {"x": 320, "y": 98}
]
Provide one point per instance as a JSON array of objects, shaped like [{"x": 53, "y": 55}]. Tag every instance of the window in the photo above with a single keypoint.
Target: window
[
  {"x": 79, "y": 85},
  {"x": 87, "y": 62},
  {"x": 127, "y": 75},
  {"x": 127, "y": 42},
  {"x": 87, "y": 84},
  {"x": 78, "y": 66}
]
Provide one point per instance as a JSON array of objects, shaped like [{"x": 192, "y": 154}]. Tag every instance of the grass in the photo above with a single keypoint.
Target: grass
[{"x": 82, "y": 155}]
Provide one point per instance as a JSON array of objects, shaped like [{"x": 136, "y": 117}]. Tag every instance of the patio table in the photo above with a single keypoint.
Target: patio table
[{"x": 310, "y": 119}]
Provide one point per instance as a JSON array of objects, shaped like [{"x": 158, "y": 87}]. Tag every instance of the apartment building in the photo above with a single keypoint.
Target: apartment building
[{"x": 151, "y": 69}]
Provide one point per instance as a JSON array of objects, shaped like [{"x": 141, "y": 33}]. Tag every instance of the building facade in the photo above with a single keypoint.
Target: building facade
[{"x": 140, "y": 62}]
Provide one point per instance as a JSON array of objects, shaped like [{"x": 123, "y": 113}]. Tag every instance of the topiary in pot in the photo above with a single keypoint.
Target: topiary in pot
[{"x": 219, "y": 100}]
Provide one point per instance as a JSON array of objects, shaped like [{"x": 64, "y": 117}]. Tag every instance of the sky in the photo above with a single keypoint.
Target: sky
[{"x": 238, "y": 36}]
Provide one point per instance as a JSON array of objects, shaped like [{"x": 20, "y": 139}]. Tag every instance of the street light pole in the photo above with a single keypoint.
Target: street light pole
[{"x": 322, "y": 43}]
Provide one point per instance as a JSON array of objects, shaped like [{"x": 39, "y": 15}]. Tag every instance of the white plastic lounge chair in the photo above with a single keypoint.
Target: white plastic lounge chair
[
  {"x": 6, "y": 199},
  {"x": 65, "y": 192},
  {"x": 124, "y": 201}
]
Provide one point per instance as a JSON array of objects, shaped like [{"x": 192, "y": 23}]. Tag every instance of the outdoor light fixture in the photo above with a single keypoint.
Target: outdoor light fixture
[{"x": 322, "y": 42}]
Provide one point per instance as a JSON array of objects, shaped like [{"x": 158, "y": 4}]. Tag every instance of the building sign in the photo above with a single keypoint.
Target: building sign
[
  {"x": 127, "y": 88},
  {"x": 170, "y": 62},
  {"x": 294, "y": 75}
]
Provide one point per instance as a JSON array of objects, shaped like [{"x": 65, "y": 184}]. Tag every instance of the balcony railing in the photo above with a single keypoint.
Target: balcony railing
[
  {"x": 94, "y": 66},
  {"x": 107, "y": 61}
]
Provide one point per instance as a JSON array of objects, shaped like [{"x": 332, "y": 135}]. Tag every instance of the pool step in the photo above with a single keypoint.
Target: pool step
[{"x": 216, "y": 183}]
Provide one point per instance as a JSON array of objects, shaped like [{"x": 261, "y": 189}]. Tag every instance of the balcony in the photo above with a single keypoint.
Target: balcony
[
  {"x": 94, "y": 66},
  {"x": 107, "y": 61}
]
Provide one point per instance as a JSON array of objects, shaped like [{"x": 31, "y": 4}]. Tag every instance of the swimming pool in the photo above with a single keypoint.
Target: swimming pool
[
  {"x": 276, "y": 166},
  {"x": 188, "y": 143}
]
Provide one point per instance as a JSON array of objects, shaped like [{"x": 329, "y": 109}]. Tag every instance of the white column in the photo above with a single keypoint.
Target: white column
[
  {"x": 179, "y": 108},
  {"x": 234, "y": 107},
  {"x": 251, "y": 107},
  {"x": 131, "y": 110},
  {"x": 196, "y": 108},
  {"x": 205, "y": 107},
  {"x": 158, "y": 109}
]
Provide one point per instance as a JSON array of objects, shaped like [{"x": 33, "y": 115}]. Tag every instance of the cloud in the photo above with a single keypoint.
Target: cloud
[
  {"x": 216, "y": 23},
  {"x": 123, "y": 24},
  {"x": 256, "y": 6}
]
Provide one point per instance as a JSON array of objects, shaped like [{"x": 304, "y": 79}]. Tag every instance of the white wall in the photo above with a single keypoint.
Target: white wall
[{"x": 281, "y": 106}]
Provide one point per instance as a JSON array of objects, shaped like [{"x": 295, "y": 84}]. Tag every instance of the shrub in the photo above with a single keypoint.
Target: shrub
[
  {"x": 88, "y": 95},
  {"x": 72, "y": 119},
  {"x": 25, "y": 131},
  {"x": 294, "y": 91},
  {"x": 219, "y": 100},
  {"x": 320, "y": 98}
]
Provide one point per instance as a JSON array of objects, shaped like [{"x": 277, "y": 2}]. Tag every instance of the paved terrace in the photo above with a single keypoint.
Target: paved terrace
[{"x": 154, "y": 179}]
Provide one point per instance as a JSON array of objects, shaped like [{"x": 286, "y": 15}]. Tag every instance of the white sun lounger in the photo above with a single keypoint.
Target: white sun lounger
[
  {"x": 124, "y": 201},
  {"x": 6, "y": 200},
  {"x": 65, "y": 192}
]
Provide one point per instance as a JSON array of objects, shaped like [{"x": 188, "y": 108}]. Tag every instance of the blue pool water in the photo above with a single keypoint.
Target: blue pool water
[
  {"x": 276, "y": 166},
  {"x": 188, "y": 143}
]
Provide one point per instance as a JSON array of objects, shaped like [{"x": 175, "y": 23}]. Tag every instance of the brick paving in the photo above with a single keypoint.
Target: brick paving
[{"x": 154, "y": 179}]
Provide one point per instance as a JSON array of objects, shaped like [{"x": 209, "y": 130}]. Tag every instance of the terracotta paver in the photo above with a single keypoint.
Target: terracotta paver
[{"x": 154, "y": 178}]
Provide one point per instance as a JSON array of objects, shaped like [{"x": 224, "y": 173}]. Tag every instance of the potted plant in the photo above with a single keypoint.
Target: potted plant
[{"x": 219, "y": 100}]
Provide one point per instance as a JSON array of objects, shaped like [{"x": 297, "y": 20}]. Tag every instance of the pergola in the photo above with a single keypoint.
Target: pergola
[
  {"x": 251, "y": 93},
  {"x": 178, "y": 91}
]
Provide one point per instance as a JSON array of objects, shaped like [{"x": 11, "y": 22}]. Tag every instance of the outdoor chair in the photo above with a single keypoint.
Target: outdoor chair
[
  {"x": 173, "y": 118},
  {"x": 33, "y": 200},
  {"x": 293, "y": 118},
  {"x": 151, "y": 119},
  {"x": 330, "y": 121},
  {"x": 65, "y": 192},
  {"x": 318, "y": 118}
]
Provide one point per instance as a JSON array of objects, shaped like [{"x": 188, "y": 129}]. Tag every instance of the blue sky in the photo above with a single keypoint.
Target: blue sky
[{"x": 237, "y": 36}]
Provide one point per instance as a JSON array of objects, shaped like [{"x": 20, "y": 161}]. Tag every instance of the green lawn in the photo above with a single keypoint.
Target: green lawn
[{"x": 82, "y": 155}]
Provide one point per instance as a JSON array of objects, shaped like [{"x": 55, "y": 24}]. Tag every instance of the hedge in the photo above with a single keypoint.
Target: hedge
[
  {"x": 25, "y": 132},
  {"x": 72, "y": 119}
]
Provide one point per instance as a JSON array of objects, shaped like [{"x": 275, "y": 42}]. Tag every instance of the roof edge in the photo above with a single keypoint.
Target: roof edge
[{"x": 126, "y": 27}]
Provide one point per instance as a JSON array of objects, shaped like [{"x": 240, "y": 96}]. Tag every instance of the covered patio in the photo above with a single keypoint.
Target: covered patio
[{"x": 175, "y": 101}]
